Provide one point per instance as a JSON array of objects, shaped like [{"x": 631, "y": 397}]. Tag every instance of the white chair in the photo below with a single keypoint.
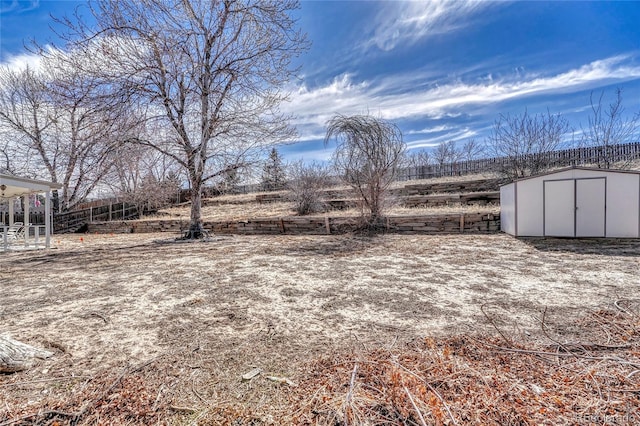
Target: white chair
[{"x": 13, "y": 232}]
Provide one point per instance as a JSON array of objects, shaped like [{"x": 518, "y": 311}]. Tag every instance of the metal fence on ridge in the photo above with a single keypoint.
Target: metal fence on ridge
[{"x": 561, "y": 158}]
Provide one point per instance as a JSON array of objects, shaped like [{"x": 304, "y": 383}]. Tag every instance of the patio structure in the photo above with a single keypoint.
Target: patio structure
[{"x": 34, "y": 236}]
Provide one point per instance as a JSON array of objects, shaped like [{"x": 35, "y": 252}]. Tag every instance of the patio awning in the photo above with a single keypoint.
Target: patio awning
[{"x": 14, "y": 186}]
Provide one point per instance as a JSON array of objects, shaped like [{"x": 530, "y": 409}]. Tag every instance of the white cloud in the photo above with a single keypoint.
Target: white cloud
[
  {"x": 17, "y": 6},
  {"x": 22, "y": 61},
  {"x": 435, "y": 129},
  {"x": 407, "y": 22},
  {"x": 454, "y": 135},
  {"x": 343, "y": 95}
]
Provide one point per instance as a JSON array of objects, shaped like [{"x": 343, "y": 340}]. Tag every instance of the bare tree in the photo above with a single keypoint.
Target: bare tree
[
  {"x": 417, "y": 158},
  {"x": 525, "y": 141},
  {"x": 306, "y": 183},
  {"x": 471, "y": 150},
  {"x": 610, "y": 126},
  {"x": 446, "y": 153},
  {"x": 89, "y": 126},
  {"x": 26, "y": 115},
  {"x": 415, "y": 164},
  {"x": 66, "y": 132},
  {"x": 142, "y": 176},
  {"x": 209, "y": 72},
  {"x": 368, "y": 154}
]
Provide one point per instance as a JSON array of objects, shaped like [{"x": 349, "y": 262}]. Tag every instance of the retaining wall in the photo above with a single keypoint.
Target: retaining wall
[
  {"x": 480, "y": 185},
  {"x": 438, "y": 224}
]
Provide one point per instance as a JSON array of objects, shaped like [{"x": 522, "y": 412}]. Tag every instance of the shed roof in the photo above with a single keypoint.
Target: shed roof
[
  {"x": 15, "y": 186},
  {"x": 594, "y": 169}
]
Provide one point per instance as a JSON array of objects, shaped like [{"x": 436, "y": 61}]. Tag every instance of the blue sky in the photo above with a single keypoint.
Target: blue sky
[{"x": 440, "y": 70}]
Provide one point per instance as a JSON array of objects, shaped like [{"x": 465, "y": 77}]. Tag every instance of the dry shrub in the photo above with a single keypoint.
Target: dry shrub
[
  {"x": 468, "y": 380},
  {"x": 107, "y": 399},
  {"x": 307, "y": 183},
  {"x": 591, "y": 377}
]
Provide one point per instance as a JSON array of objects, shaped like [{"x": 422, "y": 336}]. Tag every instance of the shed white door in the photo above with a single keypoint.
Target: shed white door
[
  {"x": 590, "y": 207},
  {"x": 574, "y": 208},
  {"x": 559, "y": 208}
]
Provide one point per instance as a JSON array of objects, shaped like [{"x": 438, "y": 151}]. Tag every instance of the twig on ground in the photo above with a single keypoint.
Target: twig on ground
[
  {"x": 182, "y": 409},
  {"x": 53, "y": 379},
  {"x": 563, "y": 354},
  {"x": 281, "y": 380},
  {"x": 543, "y": 327},
  {"x": 633, "y": 373},
  {"x": 195, "y": 392},
  {"x": 350, "y": 394},
  {"x": 44, "y": 414},
  {"x": 99, "y": 315},
  {"x": 415, "y": 407},
  {"x": 617, "y": 305},
  {"x": 155, "y": 402},
  {"x": 495, "y": 325},
  {"x": 432, "y": 389}
]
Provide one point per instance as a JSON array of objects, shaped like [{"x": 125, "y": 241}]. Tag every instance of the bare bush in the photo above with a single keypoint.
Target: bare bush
[
  {"x": 609, "y": 127},
  {"x": 306, "y": 183},
  {"x": 368, "y": 155},
  {"x": 446, "y": 153},
  {"x": 417, "y": 158},
  {"x": 526, "y": 140},
  {"x": 472, "y": 150}
]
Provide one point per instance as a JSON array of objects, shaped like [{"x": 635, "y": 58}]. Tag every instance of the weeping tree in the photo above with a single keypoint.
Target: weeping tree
[
  {"x": 209, "y": 73},
  {"x": 368, "y": 154}
]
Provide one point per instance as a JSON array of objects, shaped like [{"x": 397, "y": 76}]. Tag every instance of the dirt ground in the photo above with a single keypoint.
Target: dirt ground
[{"x": 235, "y": 303}]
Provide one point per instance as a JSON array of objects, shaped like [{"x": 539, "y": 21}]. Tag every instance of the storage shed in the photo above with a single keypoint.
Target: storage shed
[{"x": 575, "y": 202}]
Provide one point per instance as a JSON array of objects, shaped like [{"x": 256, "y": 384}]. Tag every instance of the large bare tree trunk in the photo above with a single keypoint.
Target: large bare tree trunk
[
  {"x": 218, "y": 71},
  {"x": 196, "y": 230},
  {"x": 18, "y": 356}
]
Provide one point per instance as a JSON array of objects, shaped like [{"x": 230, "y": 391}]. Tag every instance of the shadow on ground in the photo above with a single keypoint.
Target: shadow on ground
[{"x": 587, "y": 246}]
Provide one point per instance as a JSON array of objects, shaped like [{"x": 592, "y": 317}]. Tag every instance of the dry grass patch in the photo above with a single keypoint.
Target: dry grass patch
[
  {"x": 148, "y": 331},
  {"x": 232, "y": 212}
]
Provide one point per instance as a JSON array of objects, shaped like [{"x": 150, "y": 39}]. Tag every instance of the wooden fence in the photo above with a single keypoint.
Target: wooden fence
[
  {"x": 597, "y": 155},
  {"x": 35, "y": 218},
  {"x": 74, "y": 220}
]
